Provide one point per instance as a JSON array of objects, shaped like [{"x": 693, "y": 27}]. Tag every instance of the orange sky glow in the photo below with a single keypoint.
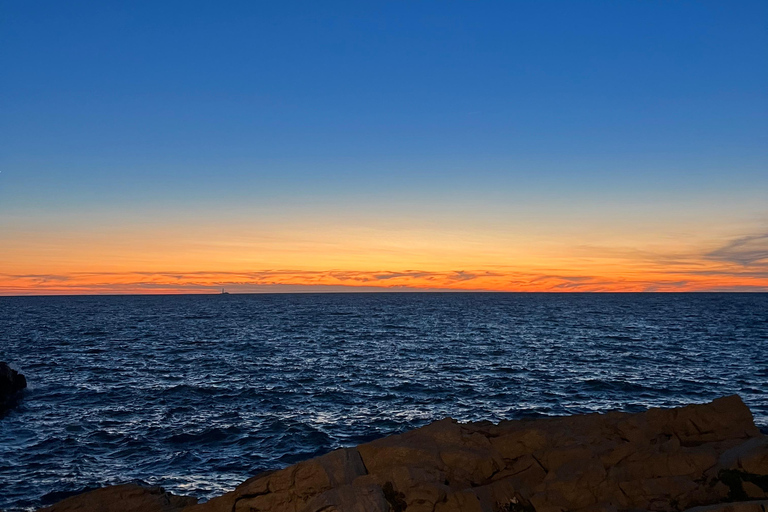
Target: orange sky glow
[{"x": 351, "y": 260}]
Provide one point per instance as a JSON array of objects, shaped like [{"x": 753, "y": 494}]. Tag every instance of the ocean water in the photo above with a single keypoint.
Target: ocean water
[{"x": 197, "y": 393}]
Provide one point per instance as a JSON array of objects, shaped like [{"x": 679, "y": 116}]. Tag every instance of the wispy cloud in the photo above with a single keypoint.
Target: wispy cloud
[
  {"x": 740, "y": 264},
  {"x": 744, "y": 251},
  {"x": 288, "y": 280}
]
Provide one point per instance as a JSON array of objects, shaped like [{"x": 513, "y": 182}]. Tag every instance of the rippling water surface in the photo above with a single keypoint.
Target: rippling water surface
[{"x": 196, "y": 393}]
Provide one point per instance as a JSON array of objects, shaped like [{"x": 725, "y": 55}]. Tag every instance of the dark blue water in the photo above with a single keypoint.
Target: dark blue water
[{"x": 196, "y": 393}]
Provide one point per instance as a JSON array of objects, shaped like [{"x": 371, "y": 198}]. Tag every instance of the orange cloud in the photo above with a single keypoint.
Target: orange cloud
[
  {"x": 629, "y": 280},
  {"x": 336, "y": 259}
]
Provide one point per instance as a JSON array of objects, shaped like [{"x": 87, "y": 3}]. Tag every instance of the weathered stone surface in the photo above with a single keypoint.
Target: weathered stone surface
[
  {"x": 460, "y": 501},
  {"x": 349, "y": 498},
  {"x": 659, "y": 460},
  {"x": 123, "y": 498},
  {"x": 292, "y": 488},
  {"x": 724, "y": 418}
]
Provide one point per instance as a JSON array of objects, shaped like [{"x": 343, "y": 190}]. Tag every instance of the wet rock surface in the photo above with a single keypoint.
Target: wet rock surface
[
  {"x": 707, "y": 457},
  {"x": 11, "y": 385}
]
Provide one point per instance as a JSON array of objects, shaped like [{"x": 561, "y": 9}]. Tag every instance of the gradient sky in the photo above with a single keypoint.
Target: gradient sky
[{"x": 156, "y": 147}]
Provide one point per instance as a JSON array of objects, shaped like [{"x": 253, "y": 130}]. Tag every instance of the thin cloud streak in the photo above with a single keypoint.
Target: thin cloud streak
[
  {"x": 288, "y": 280},
  {"x": 744, "y": 251},
  {"x": 738, "y": 265}
]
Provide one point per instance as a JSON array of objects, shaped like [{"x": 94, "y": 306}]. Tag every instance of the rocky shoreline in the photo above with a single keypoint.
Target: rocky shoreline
[{"x": 708, "y": 457}]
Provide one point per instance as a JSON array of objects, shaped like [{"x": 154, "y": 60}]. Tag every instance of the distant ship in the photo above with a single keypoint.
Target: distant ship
[{"x": 224, "y": 292}]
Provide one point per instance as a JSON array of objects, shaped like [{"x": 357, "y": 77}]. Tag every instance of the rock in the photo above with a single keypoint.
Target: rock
[
  {"x": 123, "y": 498},
  {"x": 296, "y": 487},
  {"x": 349, "y": 498},
  {"x": 753, "y": 490},
  {"x": 11, "y": 384},
  {"x": 751, "y": 457},
  {"x": 744, "y": 506},
  {"x": 658, "y": 460}
]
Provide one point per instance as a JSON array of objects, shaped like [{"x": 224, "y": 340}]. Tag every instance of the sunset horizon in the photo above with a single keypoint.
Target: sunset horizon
[
  {"x": 731, "y": 267},
  {"x": 179, "y": 149},
  {"x": 338, "y": 256}
]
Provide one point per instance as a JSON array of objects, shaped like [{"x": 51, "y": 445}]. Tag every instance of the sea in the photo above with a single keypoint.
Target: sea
[{"x": 196, "y": 393}]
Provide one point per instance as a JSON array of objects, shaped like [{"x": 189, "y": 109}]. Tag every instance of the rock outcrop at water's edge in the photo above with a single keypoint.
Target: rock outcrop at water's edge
[
  {"x": 125, "y": 498},
  {"x": 11, "y": 385},
  {"x": 703, "y": 458}
]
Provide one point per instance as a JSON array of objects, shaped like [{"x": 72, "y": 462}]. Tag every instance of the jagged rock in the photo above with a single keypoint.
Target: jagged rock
[
  {"x": 659, "y": 460},
  {"x": 11, "y": 384},
  {"x": 123, "y": 498}
]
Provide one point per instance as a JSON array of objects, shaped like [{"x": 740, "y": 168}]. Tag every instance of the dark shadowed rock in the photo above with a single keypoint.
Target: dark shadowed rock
[
  {"x": 123, "y": 498},
  {"x": 11, "y": 385},
  {"x": 743, "y": 506},
  {"x": 708, "y": 455}
]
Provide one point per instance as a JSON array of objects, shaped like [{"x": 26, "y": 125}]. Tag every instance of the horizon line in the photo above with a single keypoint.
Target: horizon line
[{"x": 403, "y": 292}]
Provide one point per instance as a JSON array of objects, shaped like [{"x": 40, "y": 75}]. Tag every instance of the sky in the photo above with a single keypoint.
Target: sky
[{"x": 182, "y": 147}]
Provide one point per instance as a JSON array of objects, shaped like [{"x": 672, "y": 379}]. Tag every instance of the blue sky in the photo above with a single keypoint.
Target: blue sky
[{"x": 364, "y": 110}]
